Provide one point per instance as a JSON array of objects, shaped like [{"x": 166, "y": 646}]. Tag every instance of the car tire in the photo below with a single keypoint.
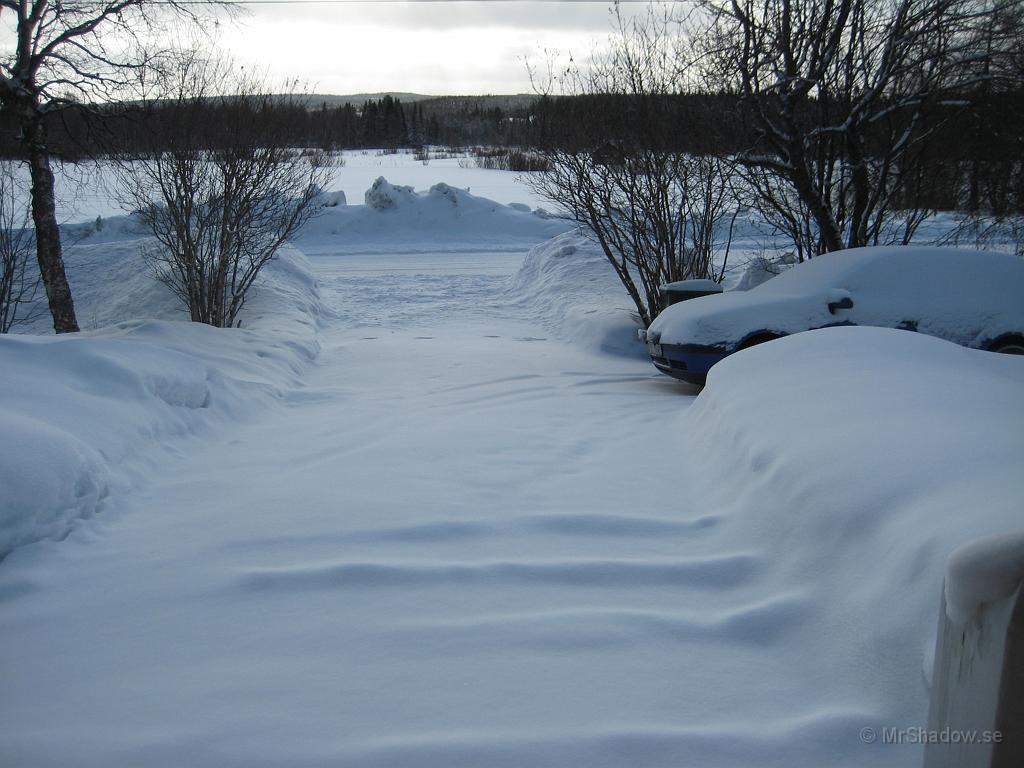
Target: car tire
[
  {"x": 759, "y": 338},
  {"x": 1008, "y": 345}
]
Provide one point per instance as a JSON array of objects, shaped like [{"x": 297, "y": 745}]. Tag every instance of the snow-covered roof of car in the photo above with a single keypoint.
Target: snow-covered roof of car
[{"x": 877, "y": 266}]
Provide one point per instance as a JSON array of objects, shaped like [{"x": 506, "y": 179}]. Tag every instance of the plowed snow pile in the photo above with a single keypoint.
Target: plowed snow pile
[{"x": 443, "y": 218}]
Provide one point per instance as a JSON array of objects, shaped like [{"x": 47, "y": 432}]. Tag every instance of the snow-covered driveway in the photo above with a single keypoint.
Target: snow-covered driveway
[
  {"x": 458, "y": 540},
  {"x": 436, "y": 552}
]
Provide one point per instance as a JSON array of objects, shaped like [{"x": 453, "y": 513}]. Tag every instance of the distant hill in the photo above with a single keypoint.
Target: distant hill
[
  {"x": 506, "y": 102},
  {"x": 355, "y": 99}
]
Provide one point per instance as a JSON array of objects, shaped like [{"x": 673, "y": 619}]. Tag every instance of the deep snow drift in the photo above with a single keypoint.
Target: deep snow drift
[
  {"x": 860, "y": 458},
  {"x": 467, "y": 535},
  {"x": 568, "y": 285},
  {"x": 78, "y": 408}
]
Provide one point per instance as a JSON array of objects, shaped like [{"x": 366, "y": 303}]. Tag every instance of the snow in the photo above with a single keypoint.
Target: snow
[
  {"x": 443, "y": 218},
  {"x": 433, "y": 506},
  {"x": 983, "y": 571},
  {"x": 936, "y": 290},
  {"x": 693, "y": 285},
  {"x": 84, "y": 406},
  {"x": 567, "y": 285},
  {"x": 854, "y": 456},
  {"x": 383, "y": 195},
  {"x": 84, "y": 191}
]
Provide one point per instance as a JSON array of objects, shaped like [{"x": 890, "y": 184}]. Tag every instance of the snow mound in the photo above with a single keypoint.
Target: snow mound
[
  {"x": 982, "y": 572},
  {"x": 382, "y": 195},
  {"x": 860, "y": 458},
  {"x": 568, "y": 286},
  {"x": 444, "y": 218},
  {"x": 78, "y": 408},
  {"x": 758, "y": 270},
  {"x": 331, "y": 199}
]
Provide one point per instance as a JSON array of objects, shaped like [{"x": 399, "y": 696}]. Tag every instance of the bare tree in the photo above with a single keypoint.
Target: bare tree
[
  {"x": 219, "y": 191},
  {"x": 659, "y": 213},
  {"x": 19, "y": 278},
  {"x": 63, "y": 52},
  {"x": 844, "y": 94}
]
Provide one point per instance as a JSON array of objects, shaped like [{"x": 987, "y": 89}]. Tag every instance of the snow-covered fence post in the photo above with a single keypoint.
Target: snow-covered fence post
[{"x": 976, "y": 714}]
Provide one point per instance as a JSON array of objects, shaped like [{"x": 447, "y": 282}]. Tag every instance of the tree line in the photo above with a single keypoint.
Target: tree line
[
  {"x": 79, "y": 132},
  {"x": 973, "y": 152}
]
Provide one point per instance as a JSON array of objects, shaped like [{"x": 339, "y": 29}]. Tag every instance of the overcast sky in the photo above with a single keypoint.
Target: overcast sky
[{"x": 445, "y": 47}]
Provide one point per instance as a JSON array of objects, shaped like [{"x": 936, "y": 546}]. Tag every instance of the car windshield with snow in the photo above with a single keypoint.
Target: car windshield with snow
[{"x": 972, "y": 298}]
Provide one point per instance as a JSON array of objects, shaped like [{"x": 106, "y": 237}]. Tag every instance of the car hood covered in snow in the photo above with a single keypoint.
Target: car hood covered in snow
[{"x": 726, "y": 319}]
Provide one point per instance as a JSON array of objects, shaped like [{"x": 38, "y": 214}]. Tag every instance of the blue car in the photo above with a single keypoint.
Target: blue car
[{"x": 973, "y": 298}]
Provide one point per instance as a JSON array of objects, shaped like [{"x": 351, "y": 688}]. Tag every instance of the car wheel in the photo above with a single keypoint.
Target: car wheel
[
  {"x": 1008, "y": 345},
  {"x": 759, "y": 338}
]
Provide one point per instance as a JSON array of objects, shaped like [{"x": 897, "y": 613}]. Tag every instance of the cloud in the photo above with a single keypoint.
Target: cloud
[
  {"x": 427, "y": 14},
  {"x": 434, "y": 48}
]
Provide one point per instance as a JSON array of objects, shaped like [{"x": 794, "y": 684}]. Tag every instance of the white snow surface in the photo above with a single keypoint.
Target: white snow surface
[
  {"x": 430, "y": 508},
  {"x": 983, "y": 571},
  {"x": 568, "y": 285},
  {"x": 694, "y": 285}
]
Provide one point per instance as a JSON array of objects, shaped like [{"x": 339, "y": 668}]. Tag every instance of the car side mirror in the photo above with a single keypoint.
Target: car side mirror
[{"x": 844, "y": 303}]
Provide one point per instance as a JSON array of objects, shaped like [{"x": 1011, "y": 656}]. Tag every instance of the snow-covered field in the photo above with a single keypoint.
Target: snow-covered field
[
  {"x": 432, "y": 506},
  {"x": 85, "y": 191}
]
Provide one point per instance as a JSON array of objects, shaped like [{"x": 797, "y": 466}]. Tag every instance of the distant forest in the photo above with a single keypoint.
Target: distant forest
[
  {"x": 384, "y": 123},
  {"x": 978, "y": 145}
]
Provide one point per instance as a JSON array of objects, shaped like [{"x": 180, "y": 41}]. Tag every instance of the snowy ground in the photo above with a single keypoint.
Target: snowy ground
[{"x": 457, "y": 519}]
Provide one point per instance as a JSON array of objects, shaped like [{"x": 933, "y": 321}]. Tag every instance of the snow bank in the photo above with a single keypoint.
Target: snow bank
[
  {"x": 444, "y": 218},
  {"x": 111, "y": 283},
  {"x": 568, "y": 285},
  {"x": 861, "y": 458},
  {"x": 981, "y": 572},
  {"x": 78, "y": 408}
]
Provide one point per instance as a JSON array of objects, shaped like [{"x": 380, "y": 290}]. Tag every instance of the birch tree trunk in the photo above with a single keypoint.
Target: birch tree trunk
[{"x": 44, "y": 216}]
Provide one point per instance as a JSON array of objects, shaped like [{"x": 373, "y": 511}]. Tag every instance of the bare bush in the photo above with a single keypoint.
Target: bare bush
[
  {"x": 510, "y": 159},
  {"x": 219, "y": 193},
  {"x": 995, "y": 233},
  {"x": 660, "y": 214},
  {"x": 19, "y": 275}
]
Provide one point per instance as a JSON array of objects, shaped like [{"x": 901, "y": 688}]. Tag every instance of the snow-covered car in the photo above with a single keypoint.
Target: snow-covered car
[{"x": 973, "y": 298}]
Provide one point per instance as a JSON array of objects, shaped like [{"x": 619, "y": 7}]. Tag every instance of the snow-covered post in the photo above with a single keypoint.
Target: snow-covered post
[{"x": 976, "y": 715}]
